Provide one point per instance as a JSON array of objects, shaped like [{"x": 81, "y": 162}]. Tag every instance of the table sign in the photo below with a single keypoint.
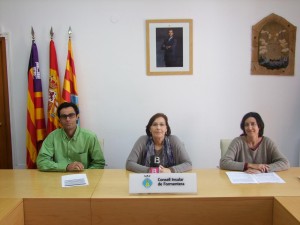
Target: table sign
[{"x": 162, "y": 183}]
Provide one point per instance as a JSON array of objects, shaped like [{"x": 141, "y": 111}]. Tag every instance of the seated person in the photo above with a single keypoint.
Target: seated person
[
  {"x": 70, "y": 148},
  {"x": 160, "y": 143},
  {"x": 252, "y": 152}
]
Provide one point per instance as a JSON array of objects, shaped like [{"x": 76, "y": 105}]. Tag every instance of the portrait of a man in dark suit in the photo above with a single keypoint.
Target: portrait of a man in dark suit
[{"x": 169, "y": 47}]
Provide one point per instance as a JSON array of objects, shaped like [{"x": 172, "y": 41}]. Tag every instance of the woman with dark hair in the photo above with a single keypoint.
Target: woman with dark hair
[
  {"x": 159, "y": 143},
  {"x": 252, "y": 152}
]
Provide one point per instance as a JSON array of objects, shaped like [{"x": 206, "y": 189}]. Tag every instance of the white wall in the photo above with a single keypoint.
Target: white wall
[{"x": 116, "y": 96}]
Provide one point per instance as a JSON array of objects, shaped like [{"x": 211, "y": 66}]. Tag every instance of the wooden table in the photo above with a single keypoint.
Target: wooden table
[
  {"x": 211, "y": 183},
  {"x": 11, "y": 211},
  {"x": 218, "y": 201},
  {"x": 106, "y": 200},
  {"x": 286, "y": 211},
  {"x": 45, "y": 201}
]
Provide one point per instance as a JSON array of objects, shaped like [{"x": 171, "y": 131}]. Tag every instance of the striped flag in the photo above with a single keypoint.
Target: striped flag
[
  {"x": 69, "y": 93},
  {"x": 36, "y": 127},
  {"x": 53, "y": 91}
]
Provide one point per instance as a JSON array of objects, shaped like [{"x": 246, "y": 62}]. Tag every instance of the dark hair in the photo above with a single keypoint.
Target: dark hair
[
  {"x": 66, "y": 105},
  {"x": 154, "y": 117},
  {"x": 171, "y": 30},
  {"x": 259, "y": 121}
]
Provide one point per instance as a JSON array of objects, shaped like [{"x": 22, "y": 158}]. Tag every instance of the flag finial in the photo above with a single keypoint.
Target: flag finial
[
  {"x": 51, "y": 33},
  {"x": 70, "y": 32},
  {"x": 32, "y": 34}
]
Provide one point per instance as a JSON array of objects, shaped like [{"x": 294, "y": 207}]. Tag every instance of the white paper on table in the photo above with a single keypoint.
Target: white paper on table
[
  {"x": 246, "y": 178},
  {"x": 74, "y": 180},
  {"x": 268, "y": 178},
  {"x": 241, "y": 178}
]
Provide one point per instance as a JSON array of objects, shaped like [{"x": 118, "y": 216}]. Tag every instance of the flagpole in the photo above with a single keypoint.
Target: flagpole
[
  {"x": 32, "y": 34},
  {"x": 54, "y": 97},
  {"x": 69, "y": 93},
  {"x": 70, "y": 32},
  {"x": 51, "y": 33},
  {"x": 36, "y": 127}
]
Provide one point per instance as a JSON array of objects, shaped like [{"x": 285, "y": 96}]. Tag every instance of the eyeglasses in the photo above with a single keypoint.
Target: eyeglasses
[{"x": 64, "y": 117}]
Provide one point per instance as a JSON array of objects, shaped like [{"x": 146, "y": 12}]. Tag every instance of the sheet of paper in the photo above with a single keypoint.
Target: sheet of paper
[
  {"x": 268, "y": 178},
  {"x": 245, "y": 178},
  {"x": 241, "y": 178},
  {"x": 74, "y": 180}
]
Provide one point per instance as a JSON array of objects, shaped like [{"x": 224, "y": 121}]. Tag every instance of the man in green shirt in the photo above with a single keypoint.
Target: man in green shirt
[{"x": 70, "y": 148}]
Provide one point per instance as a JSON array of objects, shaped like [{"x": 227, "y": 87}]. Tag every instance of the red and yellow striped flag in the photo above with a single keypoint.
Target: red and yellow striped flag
[
  {"x": 69, "y": 93},
  {"x": 53, "y": 91},
  {"x": 36, "y": 127}
]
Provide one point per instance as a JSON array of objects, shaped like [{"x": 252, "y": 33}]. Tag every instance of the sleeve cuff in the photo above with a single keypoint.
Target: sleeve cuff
[{"x": 62, "y": 166}]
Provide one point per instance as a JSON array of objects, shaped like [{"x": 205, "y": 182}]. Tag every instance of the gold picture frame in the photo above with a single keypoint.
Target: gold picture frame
[
  {"x": 169, "y": 47},
  {"x": 273, "y": 46}
]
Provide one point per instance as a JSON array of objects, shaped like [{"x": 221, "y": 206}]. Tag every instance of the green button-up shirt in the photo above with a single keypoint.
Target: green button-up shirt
[{"x": 58, "y": 150}]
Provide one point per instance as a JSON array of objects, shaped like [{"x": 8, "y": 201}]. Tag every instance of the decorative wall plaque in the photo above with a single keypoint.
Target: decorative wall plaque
[{"x": 273, "y": 46}]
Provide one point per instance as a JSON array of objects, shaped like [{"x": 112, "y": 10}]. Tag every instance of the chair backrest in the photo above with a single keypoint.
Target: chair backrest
[{"x": 224, "y": 144}]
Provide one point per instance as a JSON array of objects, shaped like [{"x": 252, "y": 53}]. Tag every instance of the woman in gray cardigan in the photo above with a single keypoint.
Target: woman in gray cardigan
[
  {"x": 252, "y": 152},
  {"x": 159, "y": 143}
]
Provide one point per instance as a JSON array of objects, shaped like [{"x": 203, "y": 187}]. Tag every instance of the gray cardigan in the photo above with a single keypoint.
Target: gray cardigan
[
  {"x": 137, "y": 154},
  {"x": 238, "y": 154}
]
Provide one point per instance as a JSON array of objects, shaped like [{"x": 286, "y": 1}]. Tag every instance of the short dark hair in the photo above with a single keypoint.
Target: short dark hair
[
  {"x": 259, "y": 121},
  {"x": 154, "y": 117},
  {"x": 66, "y": 105}
]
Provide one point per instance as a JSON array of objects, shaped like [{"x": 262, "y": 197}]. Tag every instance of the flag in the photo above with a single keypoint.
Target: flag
[
  {"x": 69, "y": 93},
  {"x": 53, "y": 91},
  {"x": 36, "y": 127}
]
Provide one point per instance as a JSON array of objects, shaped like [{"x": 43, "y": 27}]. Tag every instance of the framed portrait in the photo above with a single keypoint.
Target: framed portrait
[
  {"x": 273, "y": 47},
  {"x": 169, "y": 47}
]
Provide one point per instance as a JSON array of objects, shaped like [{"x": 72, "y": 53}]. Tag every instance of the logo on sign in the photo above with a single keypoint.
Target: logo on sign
[{"x": 147, "y": 183}]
